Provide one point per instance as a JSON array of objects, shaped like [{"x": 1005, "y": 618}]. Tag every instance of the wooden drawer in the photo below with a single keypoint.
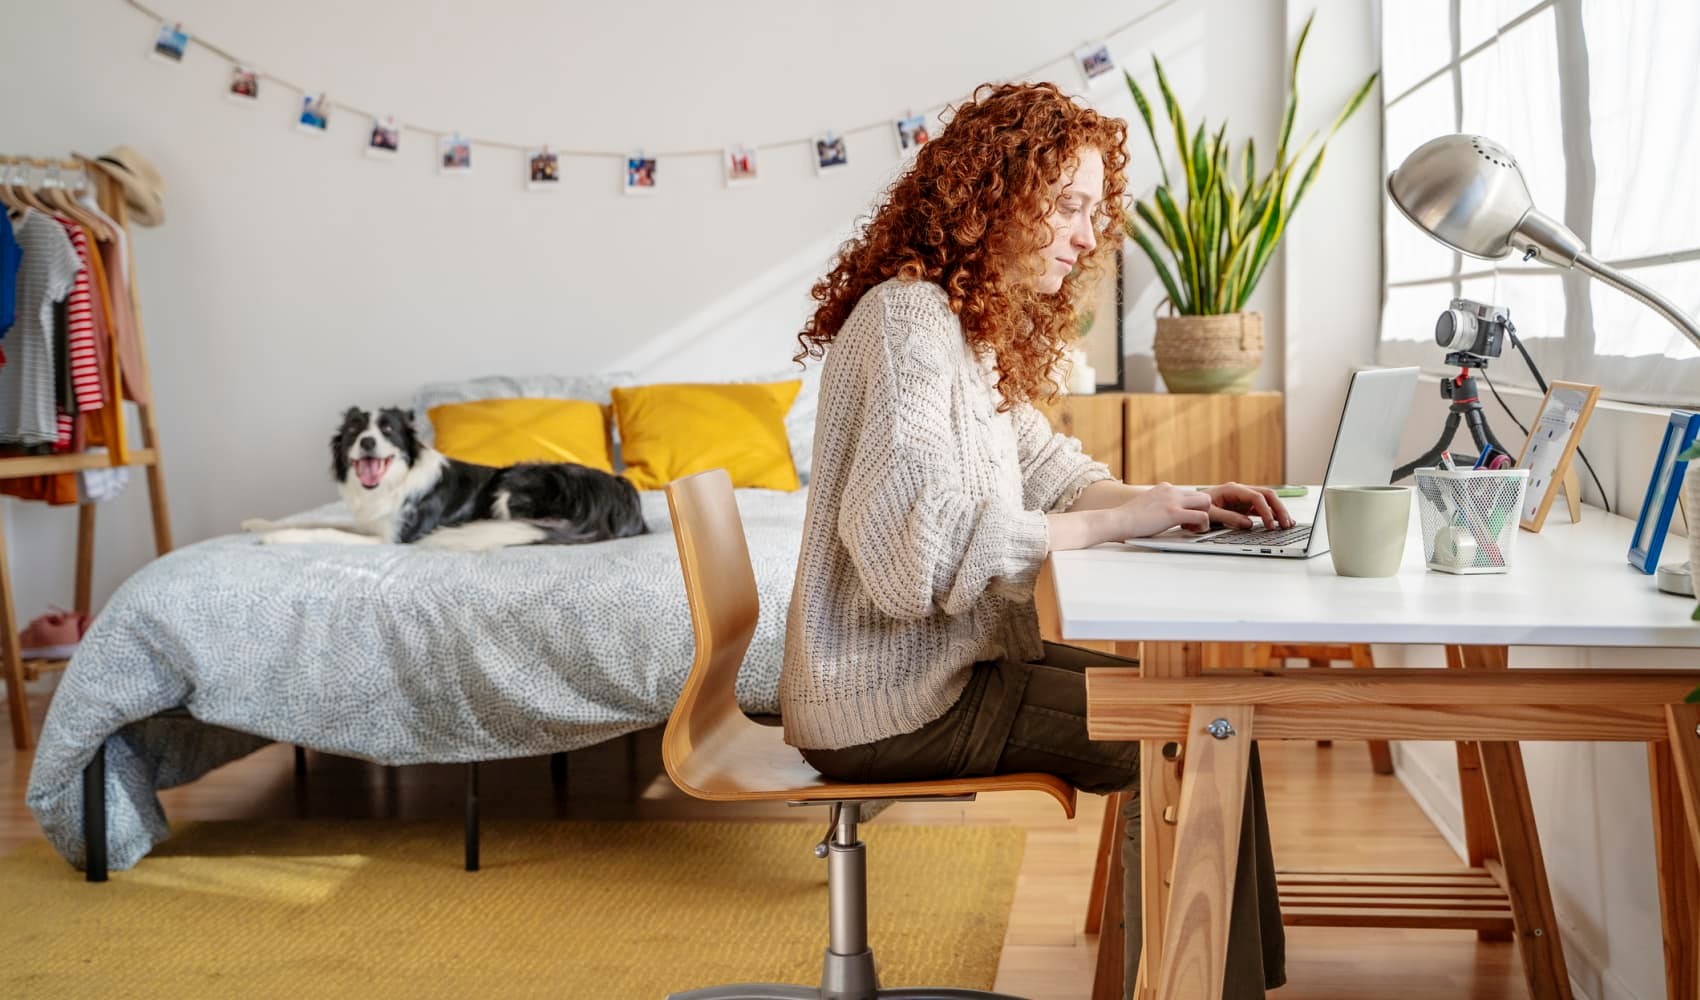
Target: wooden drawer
[{"x": 1198, "y": 440}]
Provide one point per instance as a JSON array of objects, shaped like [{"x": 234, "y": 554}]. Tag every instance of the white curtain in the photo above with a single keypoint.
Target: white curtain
[{"x": 1596, "y": 99}]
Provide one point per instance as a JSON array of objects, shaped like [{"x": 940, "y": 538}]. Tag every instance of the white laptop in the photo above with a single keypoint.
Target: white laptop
[{"x": 1366, "y": 449}]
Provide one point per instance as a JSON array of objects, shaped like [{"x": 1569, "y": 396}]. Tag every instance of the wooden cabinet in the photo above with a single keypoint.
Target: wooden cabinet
[
  {"x": 1099, "y": 421},
  {"x": 1182, "y": 438}
]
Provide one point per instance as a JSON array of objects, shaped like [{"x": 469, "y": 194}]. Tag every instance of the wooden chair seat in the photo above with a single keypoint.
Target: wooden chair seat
[
  {"x": 744, "y": 761},
  {"x": 711, "y": 749}
]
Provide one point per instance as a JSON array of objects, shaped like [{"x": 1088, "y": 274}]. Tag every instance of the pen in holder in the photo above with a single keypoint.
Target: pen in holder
[{"x": 1469, "y": 518}]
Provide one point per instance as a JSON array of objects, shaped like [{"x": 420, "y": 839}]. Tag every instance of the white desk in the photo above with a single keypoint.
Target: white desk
[{"x": 1569, "y": 585}]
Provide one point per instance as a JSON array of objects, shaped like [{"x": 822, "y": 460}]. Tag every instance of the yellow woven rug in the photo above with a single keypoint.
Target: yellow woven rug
[{"x": 565, "y": 909}]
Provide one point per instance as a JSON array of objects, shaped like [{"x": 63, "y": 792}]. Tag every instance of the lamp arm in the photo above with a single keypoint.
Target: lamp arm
[{"x": 1629, "y": 286}]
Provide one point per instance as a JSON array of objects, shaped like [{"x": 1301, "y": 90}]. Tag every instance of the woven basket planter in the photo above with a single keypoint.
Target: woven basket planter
[{"x": 1217, "y": 354}]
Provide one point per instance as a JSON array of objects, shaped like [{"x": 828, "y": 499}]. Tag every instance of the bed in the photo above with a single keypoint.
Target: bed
[{"x": 392, "y": 654}]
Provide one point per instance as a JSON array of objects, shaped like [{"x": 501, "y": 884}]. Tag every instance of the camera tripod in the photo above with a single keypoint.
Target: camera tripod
[{"x": 1467, "y": 408}]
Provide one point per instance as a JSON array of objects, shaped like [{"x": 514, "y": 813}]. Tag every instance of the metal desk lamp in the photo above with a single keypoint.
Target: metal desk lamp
[{"x": 1467, "y": 192}]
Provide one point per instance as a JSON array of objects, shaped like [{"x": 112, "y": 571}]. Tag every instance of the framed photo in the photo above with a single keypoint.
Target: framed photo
[
  {"x": 830, "y": 153},
  {"x": 170, "y": 44},
  {"x": 454, "y": 155},
  {"x": 384, "y": 141},
  {"x": 244, "y": 85},
  {"x": 542, "y": 170},
  {"x": 1662, "y": 491},
  {"x": 911, "y": 134},
  {"x": 741, "y": 166},
  {"x": 640, "y": 174},
  {"x": 1552, "y": 442},
  {"x": 1094, "y": 61},
  {"x": 1101, "y": 326},
  {"x": 315, "y": 114}
]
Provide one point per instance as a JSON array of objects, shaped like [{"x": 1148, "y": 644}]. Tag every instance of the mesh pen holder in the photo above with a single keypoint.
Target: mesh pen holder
[{"x": 1470, "y": 518}]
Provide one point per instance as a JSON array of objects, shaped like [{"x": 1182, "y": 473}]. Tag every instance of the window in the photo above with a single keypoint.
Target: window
[{"x": 1593, "y": 98}]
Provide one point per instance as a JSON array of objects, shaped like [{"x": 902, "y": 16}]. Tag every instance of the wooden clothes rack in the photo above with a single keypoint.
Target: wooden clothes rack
[{"x": 17, "y": 669}]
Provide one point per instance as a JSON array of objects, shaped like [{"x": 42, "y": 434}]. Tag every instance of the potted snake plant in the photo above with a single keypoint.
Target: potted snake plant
[{"x": 1211, "y": 235}]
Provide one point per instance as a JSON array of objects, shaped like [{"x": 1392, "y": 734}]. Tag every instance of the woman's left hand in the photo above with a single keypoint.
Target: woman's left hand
[{"x": 1234, "y": 505}]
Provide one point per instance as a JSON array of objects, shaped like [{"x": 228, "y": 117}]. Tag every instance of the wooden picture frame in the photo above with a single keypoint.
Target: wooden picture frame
[
  {"x": 1101, "y": 338},
  {"x": 1663, "y": 491},
  {"x": 1552, "y": 442}
]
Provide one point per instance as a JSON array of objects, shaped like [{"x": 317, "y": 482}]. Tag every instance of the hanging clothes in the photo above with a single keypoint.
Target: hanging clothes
[
  {"x": 121, "y": 311},
  {"x": 11, "y": 255},
  {"x": 83, "y": 371},
  {"x": 28, "y": 414},
  {"x": 108, "y": 428}
]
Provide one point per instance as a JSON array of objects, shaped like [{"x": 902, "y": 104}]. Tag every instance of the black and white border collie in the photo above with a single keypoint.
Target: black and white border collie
[{"x": 401, "y": 490}]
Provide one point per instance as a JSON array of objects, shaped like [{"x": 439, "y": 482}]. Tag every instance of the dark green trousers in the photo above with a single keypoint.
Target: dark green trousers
[{"x": 1015, "y": 716}]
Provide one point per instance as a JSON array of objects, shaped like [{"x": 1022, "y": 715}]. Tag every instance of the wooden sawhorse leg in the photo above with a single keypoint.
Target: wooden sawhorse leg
[
  {"x": 1674, "y": 772},
  {"x": 1500, "y": 835}
]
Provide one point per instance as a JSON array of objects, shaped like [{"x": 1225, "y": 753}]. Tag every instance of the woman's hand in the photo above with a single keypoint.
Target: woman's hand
[
  {"x": 1151, "y": 511},
  {"x": 1234, "y": 505},
  {"x": 1160, "y": 508}
]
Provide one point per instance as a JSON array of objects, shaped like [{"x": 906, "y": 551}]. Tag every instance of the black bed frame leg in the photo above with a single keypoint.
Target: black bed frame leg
[
  {"x": 472, "y": 816},
  {"x": 558, "y": 769},
  {"x": 94, "y": 816}
]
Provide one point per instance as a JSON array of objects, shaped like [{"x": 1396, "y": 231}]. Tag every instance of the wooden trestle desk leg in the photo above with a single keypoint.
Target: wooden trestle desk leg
[
  {"x": 1674, "y": 773},
  {"x": 1497, "y": 785},
  {"x": 1160, "y": 808}
]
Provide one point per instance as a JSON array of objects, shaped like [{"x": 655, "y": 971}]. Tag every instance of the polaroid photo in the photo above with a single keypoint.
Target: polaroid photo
[
  {"x": 640, "y": 174},
  {"x": 1094, "y": 61},
  {"x": 244, "y": 86},
  {"x": 542, "y": 170},
  {"x": 384, "y": 141},
  {"x": 170, "y": 44},
  {"x": 740, "y": 164},
  {"x": 830, "y": 153},
  {"x": 315, "y": 114},
  {"x": 454, "y": 154},
  {"x": 911, "y": 134}
]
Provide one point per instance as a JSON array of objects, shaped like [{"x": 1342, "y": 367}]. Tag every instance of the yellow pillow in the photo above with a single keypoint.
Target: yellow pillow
[
  {"x": 504, "y": 432},
  {"x": 668, "y": 431}
]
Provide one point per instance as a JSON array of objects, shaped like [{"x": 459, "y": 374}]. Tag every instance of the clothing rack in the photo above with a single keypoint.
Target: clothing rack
[{"x": 18, "y": 670}]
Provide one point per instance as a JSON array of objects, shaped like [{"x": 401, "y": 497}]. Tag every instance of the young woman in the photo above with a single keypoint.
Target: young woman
[{"x": 912, "y": 647}]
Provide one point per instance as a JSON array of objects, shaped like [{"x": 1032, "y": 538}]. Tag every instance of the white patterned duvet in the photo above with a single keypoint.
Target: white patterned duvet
[{"x": 393, "y": 654}]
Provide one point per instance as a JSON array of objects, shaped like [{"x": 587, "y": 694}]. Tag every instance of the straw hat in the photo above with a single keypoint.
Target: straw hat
[{"x": 144, "y": 188}]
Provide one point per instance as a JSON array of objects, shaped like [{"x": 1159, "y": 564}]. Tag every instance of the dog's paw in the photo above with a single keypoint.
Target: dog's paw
[
  {"x": 256, "y": 525},
  {"x": 286, "y": 536}
]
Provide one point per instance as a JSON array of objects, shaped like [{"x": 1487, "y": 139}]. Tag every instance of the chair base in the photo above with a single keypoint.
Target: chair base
[{"x": 848, "y": 974}]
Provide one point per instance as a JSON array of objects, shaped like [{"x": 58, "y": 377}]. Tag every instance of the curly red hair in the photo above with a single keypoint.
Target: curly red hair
[{"x": 972, "y": 215}]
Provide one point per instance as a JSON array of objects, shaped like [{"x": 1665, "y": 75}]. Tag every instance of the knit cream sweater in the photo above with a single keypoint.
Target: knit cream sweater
[{"x": 925, "y": 527}]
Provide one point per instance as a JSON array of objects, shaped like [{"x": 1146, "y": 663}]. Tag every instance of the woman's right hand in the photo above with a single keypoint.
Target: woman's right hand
[{"x": 1159, "y": 508}]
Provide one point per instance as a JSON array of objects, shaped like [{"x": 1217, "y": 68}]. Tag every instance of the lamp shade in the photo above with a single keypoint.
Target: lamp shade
[{"x": 1467, "y": 192}]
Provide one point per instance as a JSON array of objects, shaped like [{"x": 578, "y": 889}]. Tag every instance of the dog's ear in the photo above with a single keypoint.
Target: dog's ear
[
  {"x": 407, "y": 430},
  {"x": 351, "y": 417}
]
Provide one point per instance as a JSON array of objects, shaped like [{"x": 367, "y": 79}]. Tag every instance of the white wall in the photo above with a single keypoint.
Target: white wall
[{"x": 294, "y": 276}]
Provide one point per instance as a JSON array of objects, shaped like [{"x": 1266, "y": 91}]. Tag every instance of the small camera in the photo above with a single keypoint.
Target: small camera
[{"x": 1472, "y": 328}]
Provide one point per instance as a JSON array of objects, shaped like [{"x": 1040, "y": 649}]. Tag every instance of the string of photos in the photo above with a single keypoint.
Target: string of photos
[{"x": 541, "y": 162}]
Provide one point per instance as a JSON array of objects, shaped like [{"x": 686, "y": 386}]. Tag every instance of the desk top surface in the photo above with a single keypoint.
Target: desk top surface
[{"x": 1569, "y": 585}]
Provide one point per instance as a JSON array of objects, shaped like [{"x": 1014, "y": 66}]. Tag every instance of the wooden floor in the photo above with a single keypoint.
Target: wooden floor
[{"x": 1326, "y": 809}]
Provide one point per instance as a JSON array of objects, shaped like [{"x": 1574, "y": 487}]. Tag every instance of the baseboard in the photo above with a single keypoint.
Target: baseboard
[{"x": 1432, "y": 797}]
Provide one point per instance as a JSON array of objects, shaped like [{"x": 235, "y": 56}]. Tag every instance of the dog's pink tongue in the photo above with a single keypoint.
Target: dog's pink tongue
[{"x": 370, "y": 470}]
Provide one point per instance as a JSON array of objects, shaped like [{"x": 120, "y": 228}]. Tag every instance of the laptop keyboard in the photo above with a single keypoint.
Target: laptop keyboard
[{"x": 1296, "y": 535}]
